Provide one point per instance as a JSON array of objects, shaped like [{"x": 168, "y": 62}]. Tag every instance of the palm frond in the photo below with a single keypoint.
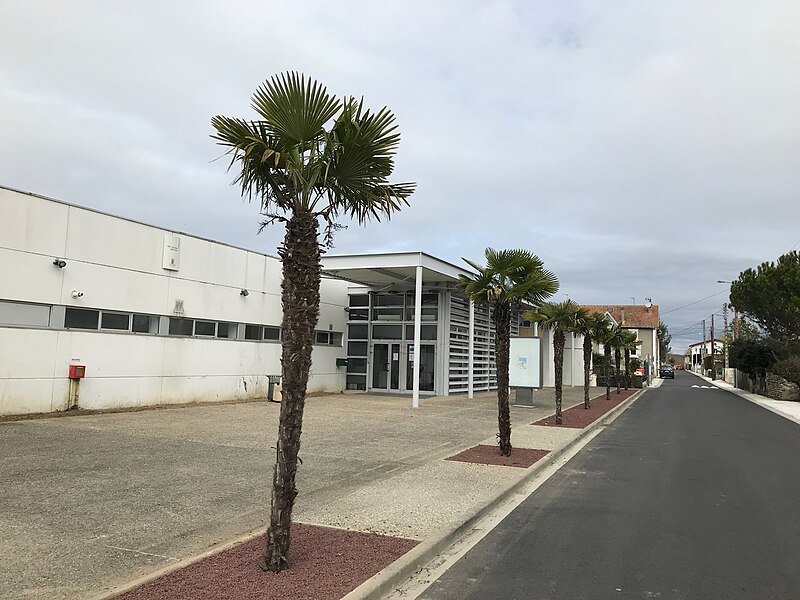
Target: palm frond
[{"x": 294, "y": 109}]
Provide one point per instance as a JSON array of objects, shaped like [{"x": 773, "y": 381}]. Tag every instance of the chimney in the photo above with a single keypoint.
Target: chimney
[{"x": 623, "y": 317}]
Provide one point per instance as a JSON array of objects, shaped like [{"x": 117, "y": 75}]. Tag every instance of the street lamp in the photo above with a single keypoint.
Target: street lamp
[{"x": 720, "y": 281}]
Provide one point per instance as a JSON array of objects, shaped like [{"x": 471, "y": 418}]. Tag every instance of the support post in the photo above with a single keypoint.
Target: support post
[
  {"x": 713, "y": 352},
  {"x": 471, "y": 359},
  {"x": 417, "y": 335}
]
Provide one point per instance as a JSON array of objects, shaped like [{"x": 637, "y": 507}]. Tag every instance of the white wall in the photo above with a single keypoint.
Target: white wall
[{"x": 117, "y": 264}]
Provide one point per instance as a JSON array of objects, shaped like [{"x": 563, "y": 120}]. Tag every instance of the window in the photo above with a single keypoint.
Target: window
[
  {"x": 356, "y": 365},
  {"x": 205, "y": 328},
  {"x": 252, "y": 332},
  {"x": 356, "y": 348},
  {"x": 387, "y": 332},
  {"x": 272, "y": 333},
  {"x": 180, "y": 326},
  {"x": 145, "y": 324},
  {"x": 359, "y": 300},
  {"x": 427, "y": 332},
  {"x": 357, "y": 332},
  {"x": 118, "y": 321},
  {"x": 328, "y": 338},
  {"x": 358, "y": 314},
  {"x": 226, "y": 330},
  {"x": 20, "y": 313},
  {"x": 356, "y": 382},
  {"x": 81, "y": 318}
]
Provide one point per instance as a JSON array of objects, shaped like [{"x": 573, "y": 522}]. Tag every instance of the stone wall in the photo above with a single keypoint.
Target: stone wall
[{"x": 780, "y": 389}]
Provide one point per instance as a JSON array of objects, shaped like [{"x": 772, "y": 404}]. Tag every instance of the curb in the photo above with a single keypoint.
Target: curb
[
  {"x": 749, "y": 396},
  {"x": 415, "y": 559},
  {"x": 129, "y": 586}
]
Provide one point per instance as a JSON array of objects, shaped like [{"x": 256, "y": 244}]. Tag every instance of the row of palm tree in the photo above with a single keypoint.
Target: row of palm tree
[{"x": 308, "y": 159}]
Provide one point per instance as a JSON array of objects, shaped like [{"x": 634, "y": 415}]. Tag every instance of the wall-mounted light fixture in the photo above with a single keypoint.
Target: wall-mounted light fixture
[
  {"x": 59, "y": 262},
  {"x": 244, "y": 293},
  {"x": 76, "y": 294}
]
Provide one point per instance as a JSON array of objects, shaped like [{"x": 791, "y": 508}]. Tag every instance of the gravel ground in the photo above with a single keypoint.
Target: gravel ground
[
  {"x": 325, "y": 564},
  {"x": 490, "y": 455}
]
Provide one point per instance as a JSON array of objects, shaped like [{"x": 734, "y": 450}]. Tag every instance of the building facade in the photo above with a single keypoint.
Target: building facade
[{"x": 155, "y": 316}]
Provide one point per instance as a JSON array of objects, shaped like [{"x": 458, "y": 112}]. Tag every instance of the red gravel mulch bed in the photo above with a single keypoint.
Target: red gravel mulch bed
[
  {"x": 490, "y": 455},
  {"x": 325, "y": 564},
  {"x": 578, "y": 417}
]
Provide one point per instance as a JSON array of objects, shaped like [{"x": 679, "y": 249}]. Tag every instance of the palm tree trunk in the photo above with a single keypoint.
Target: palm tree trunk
[
  {"x": 587, "y": 367},
  {"x": 606, "y": 367},
  {"x": 300, "y": 299},
  {"x": 617, "y": 359},
  {"x": 502, "y": 321},
  {"x": 627, "y": 369},
  {"x": 558, "y": 359}
]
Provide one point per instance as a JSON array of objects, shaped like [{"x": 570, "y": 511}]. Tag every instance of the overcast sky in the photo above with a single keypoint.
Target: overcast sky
[{"x": 641, "y": 149}]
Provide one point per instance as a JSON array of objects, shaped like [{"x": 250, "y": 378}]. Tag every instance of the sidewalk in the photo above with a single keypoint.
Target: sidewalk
[
  {"x": 786, "y": 409},
  {"x": 92, "y": 502}
]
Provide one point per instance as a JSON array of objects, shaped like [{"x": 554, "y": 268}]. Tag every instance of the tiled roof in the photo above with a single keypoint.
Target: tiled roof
[{"x": 628, "y": 315}]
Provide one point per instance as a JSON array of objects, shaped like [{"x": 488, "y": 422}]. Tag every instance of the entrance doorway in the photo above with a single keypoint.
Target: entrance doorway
[
  {"x": 386, "y": 367},
  {"x": 427, "y": 363}
]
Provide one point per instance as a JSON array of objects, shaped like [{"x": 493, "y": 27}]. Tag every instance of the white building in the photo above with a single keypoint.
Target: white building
[
  {"x": 157, "y": 317},
  {"x": 163, "y": 317},
  {"x": 700, "y": 349}
]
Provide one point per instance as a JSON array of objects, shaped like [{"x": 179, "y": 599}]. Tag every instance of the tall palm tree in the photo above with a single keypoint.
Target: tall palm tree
[
  {"x": 594, "y": 328},
  {"x": 509, "y": 278},
  {"x": 617, "y": 342},
  {"x": 302, "y": 174},
  {"x": 629, "y": 343},
  {"x": 561, "y": 318}
]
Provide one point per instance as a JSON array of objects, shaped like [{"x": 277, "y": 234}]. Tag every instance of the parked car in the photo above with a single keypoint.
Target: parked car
[
  {"x": 679, "y": 367},
  {"x": 666, "y": 371}
]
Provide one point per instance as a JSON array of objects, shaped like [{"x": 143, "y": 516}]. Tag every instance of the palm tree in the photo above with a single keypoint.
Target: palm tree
[
  {"x": 560, "y": 318},
  {"x": 617, "y": 341},
  {"x": 302, "y": 173},
  {"x": 630, "y": 342},
  {"x": 509, "y": 278},
  {"x": 594, "y": 328}
]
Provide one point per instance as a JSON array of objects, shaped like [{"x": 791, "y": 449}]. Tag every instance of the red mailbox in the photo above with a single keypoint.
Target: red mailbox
[{"x": 77, "y": 371}]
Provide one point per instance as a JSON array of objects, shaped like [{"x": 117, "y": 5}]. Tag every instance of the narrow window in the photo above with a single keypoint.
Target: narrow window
[
  {"x": 116, "y": 321},
  {"x": 81, "y": 318},
  {"x": 180, "y": 326}
]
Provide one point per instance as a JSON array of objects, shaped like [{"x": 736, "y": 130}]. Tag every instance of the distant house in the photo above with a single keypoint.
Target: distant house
[
  {"x": 639, "y": 319},
  {"x": 700, "y": 349}
]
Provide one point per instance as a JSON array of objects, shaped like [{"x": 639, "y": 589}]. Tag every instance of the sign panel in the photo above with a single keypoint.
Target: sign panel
[
  {"x": 172, "y": 252},
  {"x": 525, "y": 362}
]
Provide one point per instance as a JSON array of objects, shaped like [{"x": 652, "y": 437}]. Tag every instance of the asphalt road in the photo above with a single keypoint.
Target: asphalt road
[{"x": 691, "y": 493}]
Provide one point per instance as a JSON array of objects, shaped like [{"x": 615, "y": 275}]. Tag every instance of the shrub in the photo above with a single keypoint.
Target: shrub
[{"x": 788, "y": 368}]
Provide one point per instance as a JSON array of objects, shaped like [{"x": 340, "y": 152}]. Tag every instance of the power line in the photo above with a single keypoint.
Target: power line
[{"x": 693, "y": 303}]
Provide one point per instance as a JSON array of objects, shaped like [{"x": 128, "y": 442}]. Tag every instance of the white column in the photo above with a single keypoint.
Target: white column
[
  {"x": 471, "y": 359},
  {"x": 417, "y": 334}
]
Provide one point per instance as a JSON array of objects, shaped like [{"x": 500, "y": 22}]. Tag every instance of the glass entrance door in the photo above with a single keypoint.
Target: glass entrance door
[
  {"x": 426, "y": 368},
  {"x": 386, "y": 367}
]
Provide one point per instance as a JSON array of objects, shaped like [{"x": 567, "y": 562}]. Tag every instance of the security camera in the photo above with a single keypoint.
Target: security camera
[
  {"x": 59, "y": 262},
  {"x": 76, "y": 294},
  {"x": 244, "y": 293}
]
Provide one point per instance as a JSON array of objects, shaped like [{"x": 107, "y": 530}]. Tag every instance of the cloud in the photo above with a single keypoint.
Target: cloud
[{"x": 639, "y": 149}]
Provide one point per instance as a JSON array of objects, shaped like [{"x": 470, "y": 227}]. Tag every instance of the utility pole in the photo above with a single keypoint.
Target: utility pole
[
  {"x": 735, "y": 324},
  {"x": 703, "y": 349},
  {"x": 713, "y": 361},
  {"x": 725, "y": 334}
]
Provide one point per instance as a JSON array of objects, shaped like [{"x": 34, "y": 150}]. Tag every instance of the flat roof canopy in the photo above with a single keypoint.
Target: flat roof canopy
[{"x": 393, "y": 271}]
